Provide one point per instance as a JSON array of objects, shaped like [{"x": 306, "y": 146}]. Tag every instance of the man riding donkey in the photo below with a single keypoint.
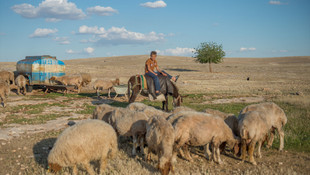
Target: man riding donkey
[{"x": 150, "y": 65}]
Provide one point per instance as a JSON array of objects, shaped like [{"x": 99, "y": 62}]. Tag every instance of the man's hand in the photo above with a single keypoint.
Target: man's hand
[{"x": 164, "y": 74}]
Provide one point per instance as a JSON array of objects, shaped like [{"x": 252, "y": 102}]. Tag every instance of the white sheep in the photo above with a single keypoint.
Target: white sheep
[
  {"x": 82, "y": 143},
  {"x": 160, "y": 138},
  {"x": 103, "y": 112},
  {"x": 4, "y": 91},
  {"x": 274, "y": 117},
  {"x": 21, "y": 83},
  {"x": 199, "y": 129},
  {"x": 100, "y": 84},
  {"x": 253, "y": 128},
  {"x": 7, "y": 76},
  {"x": 148, "y": 110}
]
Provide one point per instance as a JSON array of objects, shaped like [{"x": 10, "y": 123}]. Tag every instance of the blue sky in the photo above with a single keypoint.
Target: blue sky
[{"x": 98, "y": 28}]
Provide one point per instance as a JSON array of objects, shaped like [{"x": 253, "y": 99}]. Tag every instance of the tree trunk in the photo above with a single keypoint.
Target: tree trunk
[{"x": 210, "y": 68}]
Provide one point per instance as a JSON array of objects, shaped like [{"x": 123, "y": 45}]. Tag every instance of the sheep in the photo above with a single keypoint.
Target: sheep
[
  {"x": 148, "y": 110},
  {"x": 253, "y": 128},
  {"x": 7, "y": 76},
  {"x": 129, "y": 123},
  {"x": 181, "y": 108},
  {"x": 160, "y": 138},
  {"x": 199, "y": 129},
  {"x": 4, "y": 92},
  {"x": 275, "y": 118},
  {"x": 103, "y": 84},
  {"x": 82, "y": 143},
  {"x": 86, "y": 79},
  {"x": 69, "y": 80},
  {"x": 103, "y": 112},
  {"x": 21, "y": 82}
]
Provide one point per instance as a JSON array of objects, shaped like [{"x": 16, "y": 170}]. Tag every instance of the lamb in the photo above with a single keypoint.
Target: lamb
[
  {"x": 86, "y": 79},
  {"x": 4, "y": 91},
  {"x": 199, "y": 129},
  {"x": 103, "y": 84},
  {"x": 129, "y": 123},
  {"x": 160, "y": 138},
  {"x": 69, "y": 80},
  {"x": 253, "y": 128},
  {"x": 274, "y": 116},
  {"x": 82, "y": 143},
  {"x": 21, "y": 82},
  {"x": 148, "y": 110},
  {"x": 103, "y": 112},
  {"x": 7, "y": 76}
]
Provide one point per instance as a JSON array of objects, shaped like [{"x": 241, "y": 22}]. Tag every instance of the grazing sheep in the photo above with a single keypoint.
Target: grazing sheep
[
  {"x": 4, "y": 91},
  {"x": 160, "y": 138},
  {"x": 274, "y": 117},
  {"x": 253, "y": 128},
  {"x": 103, "y": 84},
  {"x": 75, "y": 80},
  {"x": 199, "y": 129},
  {"x": 21, "y": 82},
  {"x": 129, "y": 123},
  {"x": 7, "y": 76},
  {"x": 103, "y": 112},
  {"x": 148, "y": 110},
  {"x": 86, "y": 79},
  {"x": 82, "y": 143}
]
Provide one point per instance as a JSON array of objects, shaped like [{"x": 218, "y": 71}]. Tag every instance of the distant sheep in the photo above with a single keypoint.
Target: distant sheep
[
  {"x": 7, "y": 76},
  {"x": 274, "y": 116},
  {"x": 148, "y": 110},
  {"x": 103, "y": 112},
  {"x": 181, "y": 109},
  {"x": 104, "y": 84},
  {"x": 4, "y": 92},
  {"x": 86, "y": 79},
  {"x": 21, "y": 83},
  {"x": 69, "y": 80},
  {"x": 253, "y": 128},
  {"x": 82, "y": 143},
  {"x": 200, "y": 129},
  {"x": 160, "y": 138}
]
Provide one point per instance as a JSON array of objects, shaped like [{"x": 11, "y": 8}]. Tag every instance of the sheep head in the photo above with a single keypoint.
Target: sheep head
[
  {"x": 166, "y": 169},
  {"x": 54, "y": 167}
]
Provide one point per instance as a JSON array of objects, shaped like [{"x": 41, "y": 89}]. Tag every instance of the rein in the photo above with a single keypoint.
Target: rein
[{"x": 136, "y": 83}]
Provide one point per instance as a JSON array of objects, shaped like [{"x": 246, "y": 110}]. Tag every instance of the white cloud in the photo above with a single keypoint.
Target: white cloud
[
  {"x": 156, "y": 4},
  {"x": 87, "y": 51},
  {"x": 102, "y": 11},
  {"x": 277, "y": 3},
  {"x": 117, "y": 35},
  {"x": 51, "y": 10},
  {"x": 242, "y": 49},
  {"x": 43, "y": 32},
  {"x": 62, "y": 40},
  {"x": 178, "y": 51}
]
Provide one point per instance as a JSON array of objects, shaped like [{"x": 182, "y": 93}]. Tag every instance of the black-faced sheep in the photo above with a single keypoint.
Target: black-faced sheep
[
  {"x": 160, "y": 138},
  {"x": 82, "y": 143},
  {"x": 274, "y": 117}
]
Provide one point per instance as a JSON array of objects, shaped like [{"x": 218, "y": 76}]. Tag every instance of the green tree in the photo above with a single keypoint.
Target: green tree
[{"x": 209, "y": 52}]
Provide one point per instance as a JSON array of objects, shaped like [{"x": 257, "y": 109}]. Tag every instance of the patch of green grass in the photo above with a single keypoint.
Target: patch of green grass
[
  {"x": 87, "y": 109},
  {"x": 33, "y": 120},
  {"x": 119, "y": 104}
]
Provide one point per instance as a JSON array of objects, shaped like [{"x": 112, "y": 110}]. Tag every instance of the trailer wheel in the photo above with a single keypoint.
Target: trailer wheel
[{"x": 29, "y": 88}]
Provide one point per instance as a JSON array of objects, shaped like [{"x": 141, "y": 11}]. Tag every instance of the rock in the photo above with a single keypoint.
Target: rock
[{"x": 280, "y": 163}]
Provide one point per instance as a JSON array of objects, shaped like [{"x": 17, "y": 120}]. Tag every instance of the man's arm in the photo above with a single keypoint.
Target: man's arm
[
  {"x": 149, "y": 69},
  {"x": 157, "y": 68}
]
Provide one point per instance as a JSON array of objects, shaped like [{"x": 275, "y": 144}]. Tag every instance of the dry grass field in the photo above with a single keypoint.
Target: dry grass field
[{"x": 30, "y": 124}]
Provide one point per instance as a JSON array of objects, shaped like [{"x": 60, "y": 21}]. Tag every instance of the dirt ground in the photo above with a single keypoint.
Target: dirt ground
[{"x": 31, "y": 123}]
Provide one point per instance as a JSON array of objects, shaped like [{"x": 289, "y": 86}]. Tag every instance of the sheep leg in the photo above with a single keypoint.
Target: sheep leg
[
  {"x": 281, "y": 133},
  {"x": 148, "y": 156},
  {"x": 103, "y": 164},
  {"x": 213, "y": 153},
  {"x": 243, "y": 149},
  {"x": 109, "y": 91},
  {"x": 207, "y": 151},
  {"x": 270, "y": 140},
  {"x": 259, "y": 155},
  {"x": 134, "y": 145},
  {"x": 74, "y": 170},
  {"x": 251, "y": 152},
  {"x": 2, "y": 99},
  {"x": 98, "y": 95},
  {"x": 89, "y": 169},
  {"x": 18, "y": 91},
  {"x": 142, "y": 144},
  {"x": 219, "y": 161},
  {"x": 187, "y": 153}
]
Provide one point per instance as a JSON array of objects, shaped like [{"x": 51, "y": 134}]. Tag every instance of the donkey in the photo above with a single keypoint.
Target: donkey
[{"x": 166, "y": 88}]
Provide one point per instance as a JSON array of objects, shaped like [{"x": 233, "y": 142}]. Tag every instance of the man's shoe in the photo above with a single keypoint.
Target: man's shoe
[{"x": 176, "y": 78}]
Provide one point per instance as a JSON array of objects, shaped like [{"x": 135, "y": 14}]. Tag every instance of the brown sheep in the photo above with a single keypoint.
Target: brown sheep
[
  {"x": 21, "y": 83},
  {"x": 103, "y": 112},
  {"x": 274, "y": 116},
  {"x": 253, "y": 128},
  {"x": 104, "y": 84},
  {"x": 7, "y": 76},
  {"x": 69, "y": 80},
  {"x": 160, "y": 138},
  {"x": 86, "y": 79},
  {"x": 86, "y": 141},
  {"x": 199, "y": 129},
  {"x": 4, "y": 92}
]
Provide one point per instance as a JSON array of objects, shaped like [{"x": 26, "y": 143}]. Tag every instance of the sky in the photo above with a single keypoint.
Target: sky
[{"x": 71, "y": 29}]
